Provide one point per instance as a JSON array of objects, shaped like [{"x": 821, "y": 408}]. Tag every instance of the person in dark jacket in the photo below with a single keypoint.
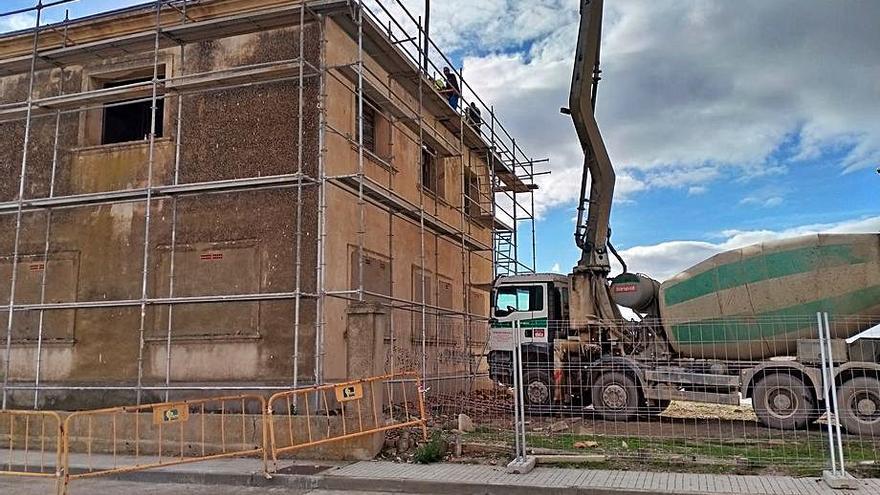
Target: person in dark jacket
[
  {"x": 452, "y": 91},
  {"x": 474, "y": 117}
]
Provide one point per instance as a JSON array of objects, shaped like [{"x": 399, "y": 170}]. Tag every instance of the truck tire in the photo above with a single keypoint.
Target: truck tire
[
  {"x": 859, "y": 403},
  {"x": 616, "y": 396},
  {"x": 783, "y": 401},
  {"x": 538, "y": 390}
]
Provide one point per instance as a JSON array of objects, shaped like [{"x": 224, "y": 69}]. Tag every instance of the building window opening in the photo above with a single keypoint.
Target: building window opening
[
  {"x": 473, "y": 196},
  {"x": 369, "y": 117},
  {"x": 131, "y": 121},
  {"x": 432, "y": 174}
]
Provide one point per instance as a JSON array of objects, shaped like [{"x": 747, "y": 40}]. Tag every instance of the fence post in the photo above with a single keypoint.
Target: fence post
[
  {"x": 522, "y": 463},
  {"x": 836, "y": 478},
  {"x": 825, "y": 391}
]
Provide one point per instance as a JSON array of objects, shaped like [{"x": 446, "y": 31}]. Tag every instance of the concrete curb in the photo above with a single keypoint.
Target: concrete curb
[
  {"x": 380, "y": 485},
  {"x": 459, "y": 488}
]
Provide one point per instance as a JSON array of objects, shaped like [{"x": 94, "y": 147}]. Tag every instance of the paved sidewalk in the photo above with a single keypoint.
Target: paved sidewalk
[
  {"x": 454, "y": 479},
  {"x": 458, "y": 478}
]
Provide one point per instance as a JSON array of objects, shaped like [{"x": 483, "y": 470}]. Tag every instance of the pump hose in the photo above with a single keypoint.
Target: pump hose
[{"x": 615, "y": 253}]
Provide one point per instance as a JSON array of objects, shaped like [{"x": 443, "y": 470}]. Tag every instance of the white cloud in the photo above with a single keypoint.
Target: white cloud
[
  {"x": 17, "y": 22},
  {"x": 664, "y": 260},
  {"x": 768, "y": 196},
  {"x": 676, "y": 177},
  {"x": 692, "y": 91},
  {"x": 697, "y": 190},
  {"x": 765, "y": 202},
  {"x": 556, "y": 268}
]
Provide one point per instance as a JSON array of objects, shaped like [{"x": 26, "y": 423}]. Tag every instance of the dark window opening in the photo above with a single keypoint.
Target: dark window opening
[
  {"x": 432, "y": 176},
  {"x": 132, "y": 121},
  {"x": 369, "y": 117},
  {"x": 472, "y": 183}
]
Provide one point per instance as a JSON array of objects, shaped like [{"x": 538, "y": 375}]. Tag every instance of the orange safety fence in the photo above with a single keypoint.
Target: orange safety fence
[
  {"x": 314, "y": 416},
  {"x": 31, "y": 444},
  {"x": 133, "y": 438}
]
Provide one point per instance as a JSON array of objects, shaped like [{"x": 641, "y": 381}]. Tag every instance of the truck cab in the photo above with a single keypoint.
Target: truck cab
[{"x": 537, "y": 305}]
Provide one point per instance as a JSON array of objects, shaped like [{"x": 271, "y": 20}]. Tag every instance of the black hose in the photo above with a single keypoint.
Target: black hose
[{"x": 615, "y": 253}]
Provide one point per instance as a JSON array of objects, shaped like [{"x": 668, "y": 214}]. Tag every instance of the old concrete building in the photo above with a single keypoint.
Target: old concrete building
[{"x": 196, "y": 195}]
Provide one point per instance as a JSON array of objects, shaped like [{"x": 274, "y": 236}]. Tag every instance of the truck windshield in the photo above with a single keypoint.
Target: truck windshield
[{"x": 519, "y": 298}]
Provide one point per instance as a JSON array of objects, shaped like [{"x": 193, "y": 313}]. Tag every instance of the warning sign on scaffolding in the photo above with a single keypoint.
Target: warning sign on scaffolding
[
  {"x": 349, "y": 392},
  {"x": 172, "y": 413}
]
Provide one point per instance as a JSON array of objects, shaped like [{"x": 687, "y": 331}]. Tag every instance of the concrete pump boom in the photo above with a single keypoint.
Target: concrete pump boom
[{"x": 591, "y": 298}]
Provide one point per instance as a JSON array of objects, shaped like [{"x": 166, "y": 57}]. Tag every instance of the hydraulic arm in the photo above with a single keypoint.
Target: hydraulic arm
[{"x": 591, "y": 297}]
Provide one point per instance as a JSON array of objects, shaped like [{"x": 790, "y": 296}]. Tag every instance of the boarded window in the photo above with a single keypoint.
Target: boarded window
[
  {"x": 444, "y": 293},
  {"x": 418, "y": 276},
  {"x": 210, "y": 269},
  {"x": 377, "y": 275},
  {"x": 479, "y": 306},
  {"x": 449, "y": 325},
  {"x": 62, "y": 274}
]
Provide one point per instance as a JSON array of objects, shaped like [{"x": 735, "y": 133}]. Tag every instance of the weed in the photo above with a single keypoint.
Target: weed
[{"x": 431, "y": 451}]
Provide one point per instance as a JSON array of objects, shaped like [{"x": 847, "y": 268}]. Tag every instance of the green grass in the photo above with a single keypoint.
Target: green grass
[
  {"x": 795, "y": 456},
  {"x": 431, "y": 451}
]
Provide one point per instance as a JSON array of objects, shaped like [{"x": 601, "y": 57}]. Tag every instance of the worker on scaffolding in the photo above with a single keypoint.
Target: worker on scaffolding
[
  {"x": 473, "y": 116},
  {"x": 451, "y": 91}
]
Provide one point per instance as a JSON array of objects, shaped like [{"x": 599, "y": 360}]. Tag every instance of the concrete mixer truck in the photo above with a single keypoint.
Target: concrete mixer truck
[{"x": 741, "y": 324}]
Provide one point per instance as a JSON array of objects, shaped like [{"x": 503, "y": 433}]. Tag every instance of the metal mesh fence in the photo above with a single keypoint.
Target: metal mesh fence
[{"x": 733, "y": 395}]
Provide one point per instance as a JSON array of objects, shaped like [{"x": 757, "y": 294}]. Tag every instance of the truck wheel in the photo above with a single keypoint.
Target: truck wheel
[
  {"x": 615, "y": 396},
  {"x": 538, "y": 391},
  {"x": 859, "y": 403},
  {"x": 783, "y": 401}
]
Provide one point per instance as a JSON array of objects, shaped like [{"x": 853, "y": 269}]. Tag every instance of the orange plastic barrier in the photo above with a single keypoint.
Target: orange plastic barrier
[
  {"x": 134, "y": 438},
  {"x": 309, "y": 417},
  {"x": 31, "y": 444}
]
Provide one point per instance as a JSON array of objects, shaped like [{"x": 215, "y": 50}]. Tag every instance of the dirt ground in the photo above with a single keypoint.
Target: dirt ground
[
  {"x": 694, "y": 437},
  {"x": 494, "y": 410}
]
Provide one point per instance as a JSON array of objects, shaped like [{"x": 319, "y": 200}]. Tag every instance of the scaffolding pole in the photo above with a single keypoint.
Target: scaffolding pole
[
  {"x": 447, "y": 134},
  {"x": 20, "y": 199}
]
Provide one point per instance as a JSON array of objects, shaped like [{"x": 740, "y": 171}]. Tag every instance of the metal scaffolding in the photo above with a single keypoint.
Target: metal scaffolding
[{"x": 504, "y": 206}]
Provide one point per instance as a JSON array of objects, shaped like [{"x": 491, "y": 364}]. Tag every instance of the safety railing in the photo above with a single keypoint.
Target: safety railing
[
  {"x": 31, "y": 442},
  {"x": 165, "y": 434},
  {"x": 310, "y": 417},
  {"x": 124, "y": 439}
]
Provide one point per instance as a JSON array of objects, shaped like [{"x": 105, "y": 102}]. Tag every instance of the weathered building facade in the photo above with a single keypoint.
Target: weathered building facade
[{"x": 209, "y": 185}]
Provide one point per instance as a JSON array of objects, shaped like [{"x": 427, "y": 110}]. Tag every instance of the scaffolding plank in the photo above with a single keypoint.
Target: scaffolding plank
[
  {"x": 21, "y": 65},
  {"x": 100, "y": 96},
  {"x": 249, "y": 22},
  {"x": 140, "y": 194},
  {"x": 49, "y": 105},
  {"x": 104, "y": 49},
  {"x": 519, "y": 187},
  {"x": 189, "y": 83},
  {"x": 380, "y": 194},
  {"x": 408, "y": 117},
  {"x": 235, "y": 76}
]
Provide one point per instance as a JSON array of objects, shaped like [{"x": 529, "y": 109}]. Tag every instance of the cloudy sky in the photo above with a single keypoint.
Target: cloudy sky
[{"x": 727, "y": 122}]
